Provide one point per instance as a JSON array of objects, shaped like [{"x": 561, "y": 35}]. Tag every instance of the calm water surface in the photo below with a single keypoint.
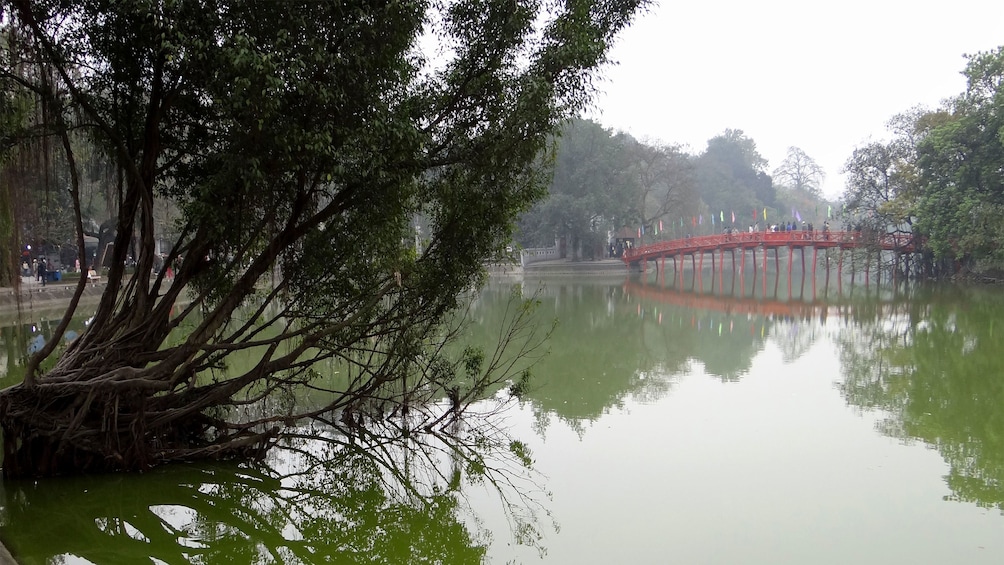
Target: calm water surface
[{"x": 746, "y": 422}]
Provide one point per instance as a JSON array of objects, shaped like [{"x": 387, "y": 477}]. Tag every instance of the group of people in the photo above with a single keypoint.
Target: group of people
[
  {"x": 38, "y": 267},
  {"x": 790, "y": 226},
  {"x": 617, "y": 250},
  {"x": 807, "y": 227}
]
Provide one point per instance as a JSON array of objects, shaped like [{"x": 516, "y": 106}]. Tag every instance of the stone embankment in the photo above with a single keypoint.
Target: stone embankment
[
  {"x": 575, "y": 268},
  {"x": 34, "y": 296}
]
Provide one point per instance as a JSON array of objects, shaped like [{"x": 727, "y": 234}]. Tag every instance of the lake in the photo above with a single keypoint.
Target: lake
[{"x": 712, "y": 421}]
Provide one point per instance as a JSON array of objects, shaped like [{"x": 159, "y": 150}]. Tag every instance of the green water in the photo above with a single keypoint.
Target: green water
[{"x": 751, "y": 422}]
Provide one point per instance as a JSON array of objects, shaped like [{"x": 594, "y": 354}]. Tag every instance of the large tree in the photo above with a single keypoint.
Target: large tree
[
  {"x": 666, "y": 186},
  {"x": 731, "y": 175},
  {"x": 299, "y": 140},
  {"x": 883, "y": 178},
  {"x": 960, "y": 157},
  {"x": 592, "y": 189},
  {"x": 800, "y": 172}
]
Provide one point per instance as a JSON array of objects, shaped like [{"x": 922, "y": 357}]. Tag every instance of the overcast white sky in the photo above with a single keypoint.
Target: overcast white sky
[{"x": 825, "y": 77}]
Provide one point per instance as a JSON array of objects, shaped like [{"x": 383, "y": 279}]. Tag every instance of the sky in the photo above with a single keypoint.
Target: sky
[{"x": 822, "y": 76}]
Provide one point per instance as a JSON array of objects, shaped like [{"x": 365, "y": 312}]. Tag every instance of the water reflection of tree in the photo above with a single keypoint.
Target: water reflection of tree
[
  {"x": 935, "y": 368},
  {"x": 795, "y": 336},
  {"x": 598, "y": 355},
  {"x": 361, "y": 498},
  {"x": 16, "y": 332},
  {"x": 618, "y": 340}
]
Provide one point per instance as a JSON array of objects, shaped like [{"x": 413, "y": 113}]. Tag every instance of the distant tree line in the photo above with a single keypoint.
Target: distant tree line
[{"x": 606, "y": 181}]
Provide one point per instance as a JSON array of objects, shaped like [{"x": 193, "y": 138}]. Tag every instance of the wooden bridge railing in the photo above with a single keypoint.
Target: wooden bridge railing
[{"x": 745, "y": 240}]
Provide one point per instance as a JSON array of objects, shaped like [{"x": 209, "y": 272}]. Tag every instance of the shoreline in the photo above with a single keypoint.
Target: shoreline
[
  {"x": 33, "y": 298},
  {"x": 606, "y": 266}
]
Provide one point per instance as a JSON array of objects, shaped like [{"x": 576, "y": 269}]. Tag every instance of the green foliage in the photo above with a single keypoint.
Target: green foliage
[
  {"x": 300, "y": 141},
  {"x": 730, "y": 175},
  {"x": 593, "y": 189},
  {"x": 521, "y": 386},
  {"x": 604, "y": 181},
  {"x": 960, "y": 161},
  {"x": 881, "y": 186},
  {"x": 667, "y": 185},
  {"x": 935, "y": 371}
]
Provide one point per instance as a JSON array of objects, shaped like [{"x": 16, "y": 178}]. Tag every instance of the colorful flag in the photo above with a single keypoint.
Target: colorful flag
[
  {"x": 639, "y": 232},
  {"x": 829, "y": 211},
  {"x": 712, "y": 219},
  {"x": 721, "y": 215},
  {"x": 798, "y": 216},
  {"x": 765, "y": 214},
  {"x": 660, "y": 225},
  {"x": 700, "y": 220},
  {"x": 733, "y": 216}
]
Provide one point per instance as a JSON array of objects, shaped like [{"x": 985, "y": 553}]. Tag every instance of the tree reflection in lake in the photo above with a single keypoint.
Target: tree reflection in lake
[
  {"x": 927, "y": 356},
  {"x": 360, "y": 498},
  {"x": 926, "y": 360},
  {"x": 937, "y": 371}
]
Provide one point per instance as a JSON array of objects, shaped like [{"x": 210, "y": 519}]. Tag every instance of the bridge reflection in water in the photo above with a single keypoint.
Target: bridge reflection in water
[
  {"x": 773, "y": 307},
  {"x": 902, "y": 248}
]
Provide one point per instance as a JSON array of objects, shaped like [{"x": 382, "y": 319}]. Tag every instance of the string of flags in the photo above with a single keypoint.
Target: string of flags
[{"x": 719, "y": 218}]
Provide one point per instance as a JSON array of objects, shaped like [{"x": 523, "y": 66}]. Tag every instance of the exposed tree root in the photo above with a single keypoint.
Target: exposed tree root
[{"x": 89, "y": 431}]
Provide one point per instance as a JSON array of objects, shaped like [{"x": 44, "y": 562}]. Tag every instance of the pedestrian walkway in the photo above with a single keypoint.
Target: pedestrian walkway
[{"x": 33, "y": 293}]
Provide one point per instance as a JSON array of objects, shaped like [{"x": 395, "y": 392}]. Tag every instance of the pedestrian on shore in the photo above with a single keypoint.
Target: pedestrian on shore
[{"x": 42, "y": 271}]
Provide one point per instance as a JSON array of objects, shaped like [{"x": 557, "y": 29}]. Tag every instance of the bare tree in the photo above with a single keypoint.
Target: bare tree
[{"x": 800, "y": 172}]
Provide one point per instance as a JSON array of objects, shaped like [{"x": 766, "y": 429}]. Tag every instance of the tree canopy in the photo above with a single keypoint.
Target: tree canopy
[
  {"x": 960, "y": 156},
  {"x": 941, "y": 172},
  {"x": 298, "y": 141},
  {"x": 731, "y": 175},
  {"x": 591, "y": 192}
]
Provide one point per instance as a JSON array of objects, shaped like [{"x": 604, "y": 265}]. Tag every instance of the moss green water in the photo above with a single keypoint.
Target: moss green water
[{"x": 860, "y": 426}]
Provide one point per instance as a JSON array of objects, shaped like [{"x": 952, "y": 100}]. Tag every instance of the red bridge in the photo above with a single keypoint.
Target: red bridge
[{"x": 698, "y": 246}]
